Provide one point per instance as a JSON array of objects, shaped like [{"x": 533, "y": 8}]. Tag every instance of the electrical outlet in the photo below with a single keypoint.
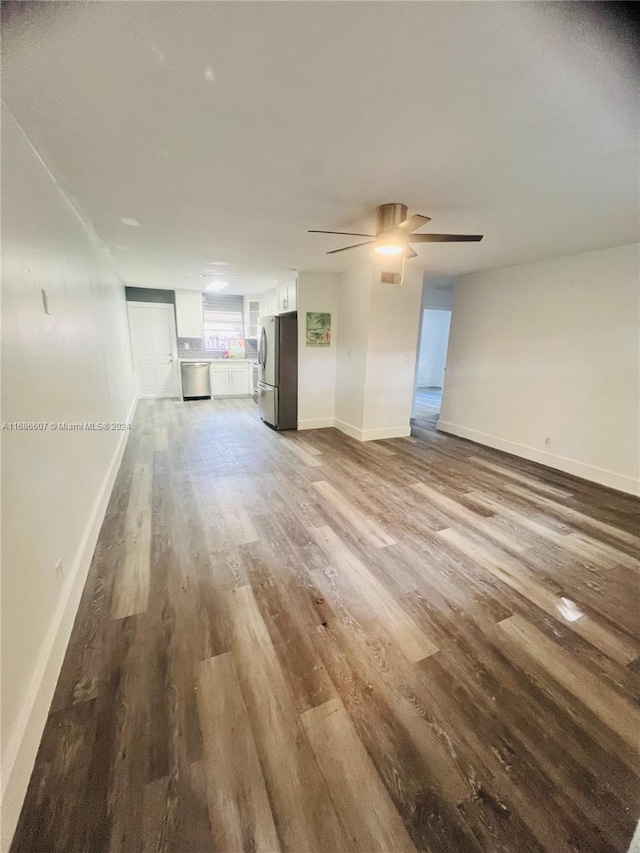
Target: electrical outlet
[
  {"x": 186, "y": 346},
  {"x": 59, "y": 572},
  {"x": 547, "y": 441}
]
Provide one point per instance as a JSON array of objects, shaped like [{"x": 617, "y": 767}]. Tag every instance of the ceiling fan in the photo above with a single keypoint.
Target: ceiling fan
[{"x": 394, "y": 232}]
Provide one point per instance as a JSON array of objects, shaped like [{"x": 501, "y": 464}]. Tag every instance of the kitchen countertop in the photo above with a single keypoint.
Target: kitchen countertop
[{"x": 219, "y": 360}]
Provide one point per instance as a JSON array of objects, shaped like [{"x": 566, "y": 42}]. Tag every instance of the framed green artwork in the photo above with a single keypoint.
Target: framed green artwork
[{"x": 318, "y": 329}]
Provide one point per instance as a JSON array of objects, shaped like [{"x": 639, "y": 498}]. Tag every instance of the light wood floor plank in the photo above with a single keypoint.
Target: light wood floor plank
[
  {"x": 248, "y": 625},
  {"x": 131, "y": 586},
  {"x": 456, "y": 510},
  {"x": 614, "y": 643},
  {"x": 306, "y": 823},
  {"x": 409, "y": 638},
  {"x": 617, "y": 714},
  {"x": 573, "y": 515},
  {"x": 238, "y": 522},
  {"x": 311, "y": 460},
  {"x": 239, "y": 807},
  {"x": 577, "y": 543},
  {"x": 306, "y": 445},
  {"x": 367, "y": 527},
  {"x": 364, "y": 806},
  {"x": 521, "y": 478}
]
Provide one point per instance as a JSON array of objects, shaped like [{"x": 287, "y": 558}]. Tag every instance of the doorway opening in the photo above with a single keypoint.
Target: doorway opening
[{"x": 431, "y": 367}]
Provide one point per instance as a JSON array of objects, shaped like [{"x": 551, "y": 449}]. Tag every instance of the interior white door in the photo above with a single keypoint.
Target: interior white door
[{"x": 153, "y": 339}]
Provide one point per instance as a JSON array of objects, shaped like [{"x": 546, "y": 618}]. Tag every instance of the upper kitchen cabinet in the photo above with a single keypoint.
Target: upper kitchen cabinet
[
  {"x": 288, "y": 296},
  {"x": 252, "y": 314},
  {"x": 189, "y": 313},
  {"x": 269, "y": 303}
]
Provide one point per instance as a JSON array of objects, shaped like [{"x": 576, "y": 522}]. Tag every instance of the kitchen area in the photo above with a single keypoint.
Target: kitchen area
[{"x": 201, "y": 345}]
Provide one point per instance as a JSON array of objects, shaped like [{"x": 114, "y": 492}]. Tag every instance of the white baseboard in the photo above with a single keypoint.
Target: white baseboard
[
  {"x": 562, "y": 463},
  {"x": 20, "y": 755},
  {"x": 348, "y": 429},
  {"x": 372, "y": 434},
  {"x": 318, "y": 423},
  {"x": 386, "y": 432}
]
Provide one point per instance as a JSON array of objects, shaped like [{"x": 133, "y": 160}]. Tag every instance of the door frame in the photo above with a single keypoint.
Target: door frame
[
  {"x": 423, "y": 309},
  {"x": 174, "y": 349}
]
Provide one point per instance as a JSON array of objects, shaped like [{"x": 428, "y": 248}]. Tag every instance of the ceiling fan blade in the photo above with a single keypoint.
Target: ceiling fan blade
[
  {"x": 409, "y": 253},
  {"x": 335, "y": 251},
  {"x": 444, "y": 238},
  {"x": 346, "y": 233},
  {"x": 414, "y": 222}
]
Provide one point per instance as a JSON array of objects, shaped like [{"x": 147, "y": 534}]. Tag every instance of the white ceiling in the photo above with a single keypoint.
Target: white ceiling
[{"x": 229, "y": 129}]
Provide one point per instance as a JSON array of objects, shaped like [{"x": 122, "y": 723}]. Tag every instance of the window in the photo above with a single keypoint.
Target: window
[{"x": 221, "y": 326}]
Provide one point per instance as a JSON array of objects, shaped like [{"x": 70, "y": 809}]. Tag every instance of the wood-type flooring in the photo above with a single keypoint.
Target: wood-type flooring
[{"x": 299, "y": 642}]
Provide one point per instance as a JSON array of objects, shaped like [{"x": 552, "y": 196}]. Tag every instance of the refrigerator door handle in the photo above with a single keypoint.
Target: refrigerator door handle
[{"x": 262, "y": 349}]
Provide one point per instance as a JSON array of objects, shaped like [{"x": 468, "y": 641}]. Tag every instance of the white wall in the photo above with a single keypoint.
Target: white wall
[
  {"x": 354, "y": 306},
  {"x": 376, "y": 353},
  {"x": 551, "y": 349},
  {"x": 393, "y": 338},
  {"x": 437, "y": 292},
  {"x": 432, "y": 356},
  {"x": 74, "y": 365},
  {"x": 317, "y": 365}
]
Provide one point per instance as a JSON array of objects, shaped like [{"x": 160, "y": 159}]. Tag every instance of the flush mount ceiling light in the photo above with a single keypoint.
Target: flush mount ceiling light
[
  {"x": 127, "y": 220},
  {"x": 217, "y": 285},
  {"x": 219, "y": 263},
  {"x": 394, "y": 231}
]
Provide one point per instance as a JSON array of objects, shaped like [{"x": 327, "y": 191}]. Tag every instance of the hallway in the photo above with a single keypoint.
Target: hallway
[
  {"x": 301, "y": 642},
  {"x": 427, "y": 403}
]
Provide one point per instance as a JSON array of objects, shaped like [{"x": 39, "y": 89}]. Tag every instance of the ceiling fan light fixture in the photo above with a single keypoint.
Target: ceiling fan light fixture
[
  {"x": 395, "y": 233},
  {"x": 389, "y": 249}
]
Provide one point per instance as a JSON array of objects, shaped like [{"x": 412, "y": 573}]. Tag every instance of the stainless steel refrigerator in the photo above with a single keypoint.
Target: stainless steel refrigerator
[{"x": 278, "y": 371}]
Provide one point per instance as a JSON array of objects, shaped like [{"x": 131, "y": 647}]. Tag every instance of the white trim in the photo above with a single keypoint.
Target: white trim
[
  {"x": 348, "y": 429},
  {"x": 561, "y": 463},
  {"x": 20, "y": 755},
  {"x": 317, "y": 423},
  {"x": 386, "y": 432},
  {"x": 372, "y": 434}
]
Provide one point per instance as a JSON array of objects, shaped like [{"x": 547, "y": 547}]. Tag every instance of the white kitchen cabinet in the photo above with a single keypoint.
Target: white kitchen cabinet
[
  {"x": 287, "y": 296},
  {"x": 282, "y": 298},
  {"x": 252, "y": 314},
  {"x": 230, "y": 380},
  {"x": 220, "y": 382},
  {"x": 292, "y": 295},
  {"x": 239, "y": 375},
  {"x": 189, "y": 313},
  {"x": 269, "y": 303}
]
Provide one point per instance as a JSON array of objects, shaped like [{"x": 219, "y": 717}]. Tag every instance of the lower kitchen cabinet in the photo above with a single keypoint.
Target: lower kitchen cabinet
[{"x": 231, "y": 380}]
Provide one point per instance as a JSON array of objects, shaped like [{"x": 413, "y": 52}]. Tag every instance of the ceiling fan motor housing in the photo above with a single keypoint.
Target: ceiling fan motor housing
[{"x": 389, "y": 216}]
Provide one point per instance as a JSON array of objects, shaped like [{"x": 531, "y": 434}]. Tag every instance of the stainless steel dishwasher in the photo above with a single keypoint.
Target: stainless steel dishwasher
[{"x": 196, "y": 382}]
